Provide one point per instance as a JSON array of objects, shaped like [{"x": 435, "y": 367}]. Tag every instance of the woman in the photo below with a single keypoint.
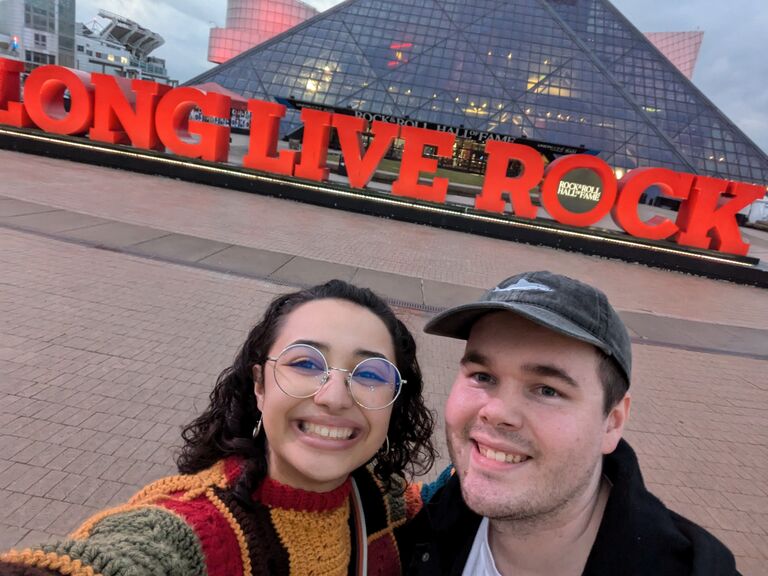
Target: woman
[{"x": 296, "y": 467}]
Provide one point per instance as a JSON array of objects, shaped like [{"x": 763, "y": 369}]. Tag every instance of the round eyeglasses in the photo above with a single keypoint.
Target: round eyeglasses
[{"x": 301, "y": 371}]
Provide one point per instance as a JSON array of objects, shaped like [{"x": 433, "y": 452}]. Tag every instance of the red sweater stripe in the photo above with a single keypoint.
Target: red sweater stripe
[{"x": 219, "y": 543}]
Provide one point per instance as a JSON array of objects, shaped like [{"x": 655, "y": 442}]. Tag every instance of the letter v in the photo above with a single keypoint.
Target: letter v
[{"x": 361, "y": 165}]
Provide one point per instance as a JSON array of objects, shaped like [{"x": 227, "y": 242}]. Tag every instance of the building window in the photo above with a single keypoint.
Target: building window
[
  {"x": 39, "y": 58},
  {"x": 80, "y": 48},
  {"x": 40, "y": 15},
  {"x": 41, "y": 40}
]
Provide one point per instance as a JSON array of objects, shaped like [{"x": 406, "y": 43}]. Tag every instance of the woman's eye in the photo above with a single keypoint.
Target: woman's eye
[
  {"x": 368, "y": 375},
  {"x": 307, "y": 364}
]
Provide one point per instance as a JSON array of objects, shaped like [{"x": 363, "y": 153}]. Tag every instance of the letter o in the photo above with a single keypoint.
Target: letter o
[
  {"x": 44, "y": 100},
  {"x": 557, "y": 170}
]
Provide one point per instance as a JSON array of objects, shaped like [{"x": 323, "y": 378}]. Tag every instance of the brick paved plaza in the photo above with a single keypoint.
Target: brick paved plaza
[{"x": 122, "y": 296}]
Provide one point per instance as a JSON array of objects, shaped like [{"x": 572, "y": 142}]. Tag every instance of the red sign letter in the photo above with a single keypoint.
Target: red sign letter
[
  {"x": 314, "y": 145},
  {"x": 44, "y": 99},
  {"x": 11, "y": 110},
  {"x": 122, "y": 117},
  {"x": 414, "y": 162},
  {"x": 174, "y": 126},
  {"x": 262, "y": 148},
  {"x": 519, "y": 188},
  {"x": 632, "y": 186},
  {"x": 557, "y": 171},
  {"x": 702, "y": 222},
  {"x": 362, "y": 165}
]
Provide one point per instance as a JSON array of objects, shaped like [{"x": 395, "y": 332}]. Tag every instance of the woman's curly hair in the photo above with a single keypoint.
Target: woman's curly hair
[{"x": 225, "y": 428}]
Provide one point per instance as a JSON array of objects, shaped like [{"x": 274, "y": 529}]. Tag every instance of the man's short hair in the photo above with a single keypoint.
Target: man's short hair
[{"x": 615, "y": 385}]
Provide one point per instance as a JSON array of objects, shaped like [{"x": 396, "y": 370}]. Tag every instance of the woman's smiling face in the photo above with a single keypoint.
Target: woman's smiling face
[{"x": 315, "y": 443}]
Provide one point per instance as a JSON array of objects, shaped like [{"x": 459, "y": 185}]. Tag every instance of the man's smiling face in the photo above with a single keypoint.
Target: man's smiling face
[{"x": 525, "y": 423}]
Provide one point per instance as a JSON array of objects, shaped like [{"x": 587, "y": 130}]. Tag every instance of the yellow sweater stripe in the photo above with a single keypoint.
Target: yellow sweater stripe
[
  {"x": 317, "y": 542},
  {"x": 49, "y": 560},
  {"x": 192, "y": 485},
  {"x": 239, "y": 534}
]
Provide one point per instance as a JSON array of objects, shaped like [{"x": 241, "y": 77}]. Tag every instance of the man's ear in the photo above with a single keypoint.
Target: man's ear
[
  {"x": 615, "y": 422},
  {"x": 258, "y": 386}
]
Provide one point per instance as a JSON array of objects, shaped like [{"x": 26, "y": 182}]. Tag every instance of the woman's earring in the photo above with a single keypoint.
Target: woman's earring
[
  {"x": 386, "y": 445},
  {"x": 257, "y": 429}
]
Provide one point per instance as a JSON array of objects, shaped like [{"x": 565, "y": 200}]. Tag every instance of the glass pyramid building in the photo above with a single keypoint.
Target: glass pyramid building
[{"x": 569, "y": 72}]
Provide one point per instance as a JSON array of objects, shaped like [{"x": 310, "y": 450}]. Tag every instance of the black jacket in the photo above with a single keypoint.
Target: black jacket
[{"x": 638, "y": 535}]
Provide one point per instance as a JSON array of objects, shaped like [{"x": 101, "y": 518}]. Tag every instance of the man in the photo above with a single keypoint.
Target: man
[{"x": 544, "y": 483}]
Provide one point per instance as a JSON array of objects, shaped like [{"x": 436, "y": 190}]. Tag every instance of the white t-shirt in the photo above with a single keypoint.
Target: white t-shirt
[{"x": 480, "y": 561}]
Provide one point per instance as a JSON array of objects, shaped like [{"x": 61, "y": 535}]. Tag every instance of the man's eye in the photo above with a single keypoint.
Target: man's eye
[
  {"x": 548, "y": 391},
  {"x": 482, "y": 378}
]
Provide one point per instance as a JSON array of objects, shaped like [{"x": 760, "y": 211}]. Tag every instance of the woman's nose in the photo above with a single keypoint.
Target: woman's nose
[{"x": 334, "y": 393}]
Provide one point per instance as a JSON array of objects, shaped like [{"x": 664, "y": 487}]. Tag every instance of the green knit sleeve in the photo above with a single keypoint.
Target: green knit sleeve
[{"x": 143, "y": 541}]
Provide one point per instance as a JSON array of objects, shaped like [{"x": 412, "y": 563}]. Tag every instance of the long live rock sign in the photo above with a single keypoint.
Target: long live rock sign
[{"x": 154, "y": 116}]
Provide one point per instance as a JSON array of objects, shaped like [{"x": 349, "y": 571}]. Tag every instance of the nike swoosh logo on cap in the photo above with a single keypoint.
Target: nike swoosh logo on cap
[{"x": 523, "y": 284}]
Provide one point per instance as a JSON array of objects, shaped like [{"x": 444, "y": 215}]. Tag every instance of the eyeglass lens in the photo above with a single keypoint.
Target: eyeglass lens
[{"x": 300, "y": 371}]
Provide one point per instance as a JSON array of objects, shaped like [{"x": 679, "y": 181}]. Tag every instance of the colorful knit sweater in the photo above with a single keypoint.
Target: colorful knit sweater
[{"x": 193, "y": 525}]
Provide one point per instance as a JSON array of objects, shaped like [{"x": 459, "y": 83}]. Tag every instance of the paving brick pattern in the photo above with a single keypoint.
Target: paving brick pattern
[{"x": 104, "y": 356}]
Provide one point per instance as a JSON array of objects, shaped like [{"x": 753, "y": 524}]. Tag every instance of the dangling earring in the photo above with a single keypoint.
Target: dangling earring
[
  {"x": 257, "y": 429},
  {"x": 386, "y": 446}
]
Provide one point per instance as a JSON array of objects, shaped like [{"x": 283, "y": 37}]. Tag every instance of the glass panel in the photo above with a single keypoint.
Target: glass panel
[{"x": 570, "y": 72}]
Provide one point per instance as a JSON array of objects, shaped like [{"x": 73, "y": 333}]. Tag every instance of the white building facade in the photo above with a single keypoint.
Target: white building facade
[
  {"x": 38, "y": 32},
  {"x": 115, "y": 45}
]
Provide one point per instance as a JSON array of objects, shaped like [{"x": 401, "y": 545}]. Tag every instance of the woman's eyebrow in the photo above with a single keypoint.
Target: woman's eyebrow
[
  {"x": 325, "y": 348},
  {"x": 319, "y": 345},
  {"x": 369, "y": 353}
]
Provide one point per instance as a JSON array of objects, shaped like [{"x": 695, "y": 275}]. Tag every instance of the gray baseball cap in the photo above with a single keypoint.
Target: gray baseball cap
[{"x": 554, "y": 301}]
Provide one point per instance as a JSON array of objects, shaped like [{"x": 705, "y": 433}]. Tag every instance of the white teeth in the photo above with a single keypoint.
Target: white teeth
[
  {"x": 501, "y": 456},
  {"x": 327, "y": 431}
]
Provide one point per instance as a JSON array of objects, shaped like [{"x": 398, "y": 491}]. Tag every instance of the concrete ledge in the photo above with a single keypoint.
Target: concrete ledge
[
  {"x": 179, "y": 247},
  {"x": 694, "y": 335},
  {"x": 13, "y": 207},
  {"x": 287, "y": 269},
  {"x": 392, "y": 286},
  {"x": 444, "y": 295},
  {"x": 53, "y": 221},
  {"x": 116, "y": 234},
  {"x": 307, "y": 272},
  {"x": 248, "y": 261}
]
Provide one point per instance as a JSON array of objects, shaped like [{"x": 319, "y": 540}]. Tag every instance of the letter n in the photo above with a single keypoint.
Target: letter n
[{"x": 124, "y": 112}]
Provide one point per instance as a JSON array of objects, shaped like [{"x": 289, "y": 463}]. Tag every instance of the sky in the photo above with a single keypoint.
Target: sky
[{"x": 732, "y": 70}]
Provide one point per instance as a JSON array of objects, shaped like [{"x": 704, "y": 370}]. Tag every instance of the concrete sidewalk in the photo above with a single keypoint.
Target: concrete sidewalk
[
  {"x": 296, "y": 271},
  {"x": 122, "y": 297}
]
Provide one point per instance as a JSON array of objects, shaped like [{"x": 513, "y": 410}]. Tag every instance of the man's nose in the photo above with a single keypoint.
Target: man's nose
[{"x": 504, "y": 411}]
